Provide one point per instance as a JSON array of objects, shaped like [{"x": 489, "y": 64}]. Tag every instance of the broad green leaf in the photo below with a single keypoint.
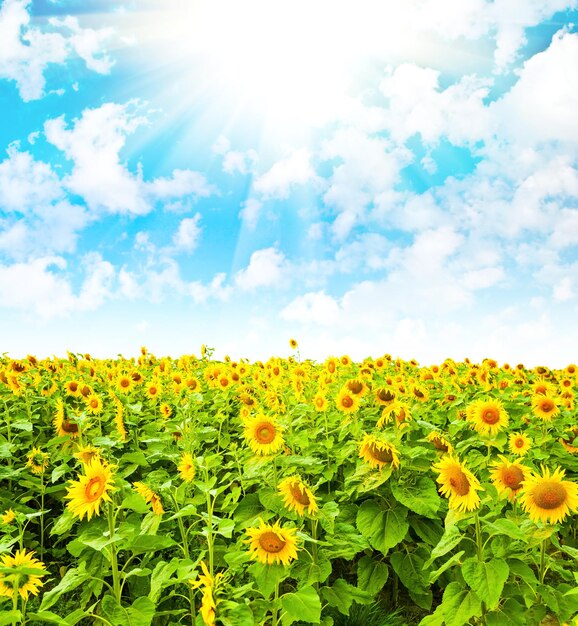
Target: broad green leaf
[
  {"x": 308, "y": 572},
  {"x": 511, "y": 613},
  {"x": 457, "y": 608},
  {"x": 11, "y": 617},
  {"x": 450, "y": 539},
  {"x": 453, "y": 560},
  {"x": 46, "y": 617},
  {"x": 506, "y": 527},
  {"x": 268, "y": 576},
  {"x": 341, "y": 595},
  {"x": 422, "y": 497},
  {"x": 63, "y": 524},
  {"x": 302, "y": 606},
  {"x": 486, "y": 579},
  {"x": 150, "y": 543},
  {"x": 371, "y": 575},
  {"x": 327, "y": 514},
  {"x": 159, "y": 578},
  {"x": 71, "y": 580},
  {"x": 383, "y": 528},
  {"x": 346, "y": 542},
  {"x": 410, "y": 568}
]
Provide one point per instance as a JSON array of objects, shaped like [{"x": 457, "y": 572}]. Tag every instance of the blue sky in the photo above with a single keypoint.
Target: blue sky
[{"x": 364, "y": 177}]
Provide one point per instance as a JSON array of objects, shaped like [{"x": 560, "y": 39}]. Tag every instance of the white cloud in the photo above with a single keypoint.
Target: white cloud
[
  {"x": 26, "y": 51},
  {"x": 266, "y": 269},
  {"x": 250, "y": 212},
  {"x": 283, "y": 176},
  {"x": 314, "y": 307},
  {"x": 187, "y": 236},
  {"x": 94, "y": 143},
  {"x": 48, "y": 292}
]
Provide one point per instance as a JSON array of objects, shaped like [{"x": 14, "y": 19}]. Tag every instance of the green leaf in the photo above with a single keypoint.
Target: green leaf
[
  {"x": 47, "y": 617},
  {"x": 422, "y": 497},
  {"x": 450, "y": 539},
  {"x": 308, "y": 572},
  {"x": 141, "y": 612},
  {"x": 159, "y": 578},
  {"x": 135, "y": 502},
  {"x": 511, "y": 613},
  {"x": 345, "y": 543},
  {"x": 410, "y": 568},
  {"x": 371, "y": 575},
  {"x": 428, "y": 530},
  {"x": 302, "y": 606},
  {"x": 383, "y": 528},
  {"x": 506, "y": 527},
  {"x": 151, "y": 543},
  {"x": 342, "y": 595},
  {"x": 457, "y": 608},
  {"x": 72, "y": 579},
  {"x": 268, "y": 576},
  {"x": 63, "y": 524},
  {"x": 487, "y": 579},
  {"x": 453, "y": 560},
  {"x": 327, "y": 514},
  {"x": 12, "y": 617}
]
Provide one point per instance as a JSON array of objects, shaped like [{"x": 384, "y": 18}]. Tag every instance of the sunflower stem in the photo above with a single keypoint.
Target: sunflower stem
[
  {"x": 542, "y": 572},
  {"x": 185, "y": 546},
  {"x": 113, "y": 555},
  {"x": 15, "y": 596},
  {"x": 210, "y": 505},
  {"x": 479, "y": 542},
  {"x": 314, "y": 548},
  {"x": 42, "y": 517},
  {"x": 275, "y": 611}
]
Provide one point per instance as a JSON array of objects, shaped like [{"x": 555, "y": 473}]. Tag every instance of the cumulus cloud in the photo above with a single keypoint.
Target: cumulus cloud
[
  {"x": 284, "y": 175},
  {"x": 94, "y": 143},
  {"x": 266, "y": 269},
  {"x": 314, "y": 307},
  {"x": 26, "y": 51},
  {"x": 187, "y": 236}
]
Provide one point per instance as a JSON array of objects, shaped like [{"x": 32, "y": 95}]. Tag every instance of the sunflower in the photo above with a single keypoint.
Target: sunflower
[
  {"x": 263, "y": 434},
  {"x": 548, "y": 498},
  {"x": 488, "y": 416},
  {"x": 272, "y": 544},
  {"x": 153, "y": 390},
  {"x": 519, "y": 443},
  {"x": 94, "y": 404},
  {"x": 166, "y": 410},
  {"x": 85, "y": 454},
  {"x": 384, "y": 396},
  {"x": 63, "y": 425},
  {"x": 420, "y": 393},
  {"x": 508, "y": 477},
  {"x": 293, "y": 344},
  {"x": 570, "y": 439},
  {"x": 346, "y": 401},
  {"x": 320, "y": 402},
  {"x": 71, "y": 388},
  {"x": 378, "y": 453},
  {"x": 88, "y": 492},
  {"x": 297, "y": 496},
  {"x": 8, "y": 517},
  {"x": 544, "y": 407},
  {"x": 440, "y": 442},
  {"x": 25, "y": 583},
  {"x": 356, "y": 386},
  {"x": 187, "y": 468},
  {"x": 37, "y": 461},
  {"x": 458, "y": 484},
  {"x": 124, "y": 383},
  {"x": 149, "y": 496}
]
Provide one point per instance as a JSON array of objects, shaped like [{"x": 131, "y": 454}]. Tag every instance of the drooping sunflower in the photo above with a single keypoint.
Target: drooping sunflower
[
  {"x": 440, "y": 442},
  {"x": 570, "y": 440},
  {"x": 357, "y": 386},
  {"x": 63, "y": 425},
  {"x": 297, "y": 496},
  {"x": 263, "y": 434},
  {"x": 519, "y": 443},
  {"x": 346, "y": 401},
  {"x": 25, "y": 583},
  {"x": 88, "y": 493},
  {"x": 166, "y": 410},
  {"x": 149, "y": 496},
  {"x": 544, "y": 407},
  {"x": 508, "y": 477},
  {"x": 457, "y": 484},
  {"x": 420, "y": 393},
  {"x": 270, "y": 544},
  {"x": 37, "y": 461},
  {"x": 548, "y": 498},
  {"x": 385, "y": 396},
  {"x": 85, "y": 454},
  {"x": 378, "y": 453},
  {"x": 488, "y": 416},
  {"x": 186, "y": 467}
]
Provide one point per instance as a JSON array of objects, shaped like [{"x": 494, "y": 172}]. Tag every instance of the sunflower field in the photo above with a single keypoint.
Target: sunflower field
[{"x": 160, "y": 491}]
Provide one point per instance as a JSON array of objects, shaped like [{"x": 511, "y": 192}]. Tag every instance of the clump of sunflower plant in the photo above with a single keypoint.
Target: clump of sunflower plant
[{"x": 179, "y": 490}]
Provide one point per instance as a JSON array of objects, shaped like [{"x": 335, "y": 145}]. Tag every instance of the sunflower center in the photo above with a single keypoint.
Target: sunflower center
[
  {"x": 519, "y": 443},
  {"x": 355, "y": 386},
  {"x": 265, "y": 432},
  {"x": 549, "y": 495},
  {"x": 547, "y": 406},
  {"x": 380, "y": 454},
  {"x": 439, "y": 444},
  {"x": 513, "y": 477},
  {"x": 271, "y": 543},
  {"x": 319, "y": 402},
  {"x": 490, "y": 416},
  {"x": 418, "y": 393},
  {"x": 125, "y": 382},
  {"x": 69, "y": 427},
  {"x": 299, "y": 494},
  {"x": 94, "y": 488},
  {"x": 94, "y": 404},
  {"x": 347, "y": 402},
  {"x": 385, "y": 395},
  {"x": 460, "y": 483}
]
